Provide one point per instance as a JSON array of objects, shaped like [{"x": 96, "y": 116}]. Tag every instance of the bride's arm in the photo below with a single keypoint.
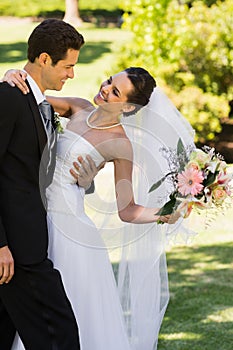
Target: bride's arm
[
  {"x": 65, "y": 106},
  {"x": 128, "y": 210}
]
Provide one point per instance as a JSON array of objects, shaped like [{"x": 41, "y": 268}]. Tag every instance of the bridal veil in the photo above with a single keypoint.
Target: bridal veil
[{"x": 138, "y": 251}]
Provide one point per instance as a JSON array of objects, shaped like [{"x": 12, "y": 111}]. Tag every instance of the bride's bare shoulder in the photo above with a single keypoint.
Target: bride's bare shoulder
[
  {"x": 120, "y": 145},
  {"x": 78, "y": 103}
]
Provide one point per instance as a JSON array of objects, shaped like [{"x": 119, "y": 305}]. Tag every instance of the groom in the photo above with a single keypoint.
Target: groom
[{"x": 32, "y": 297}]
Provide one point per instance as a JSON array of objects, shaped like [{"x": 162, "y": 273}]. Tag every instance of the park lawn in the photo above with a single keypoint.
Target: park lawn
[{"x": 200, "y": 312}]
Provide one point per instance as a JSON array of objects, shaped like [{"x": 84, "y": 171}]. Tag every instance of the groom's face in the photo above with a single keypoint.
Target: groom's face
[{"x": 53, "y": 77}]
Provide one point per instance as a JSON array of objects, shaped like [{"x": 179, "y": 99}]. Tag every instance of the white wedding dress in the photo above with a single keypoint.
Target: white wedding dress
[
  {"x": 126, "y": 312},
  {"x": 77, "y": 250}
]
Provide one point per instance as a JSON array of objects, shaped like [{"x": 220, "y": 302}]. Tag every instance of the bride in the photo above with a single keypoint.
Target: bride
[{"x": 122, "y": 311}]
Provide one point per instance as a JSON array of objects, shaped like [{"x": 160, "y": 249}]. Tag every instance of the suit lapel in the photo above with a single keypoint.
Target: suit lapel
[
  {"x": 42, "y": 137},
  {"x": 49, "y": 155},
  {"x": 53, "y": 118}
]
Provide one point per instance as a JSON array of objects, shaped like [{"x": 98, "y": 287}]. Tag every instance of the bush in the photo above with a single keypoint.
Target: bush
[
  {"x": 203, "y": 110},
  {"x": 189, "y": 49}
]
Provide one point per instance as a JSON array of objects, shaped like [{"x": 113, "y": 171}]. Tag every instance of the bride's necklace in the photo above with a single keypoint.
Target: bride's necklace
[{"x": 99, "y": 127}]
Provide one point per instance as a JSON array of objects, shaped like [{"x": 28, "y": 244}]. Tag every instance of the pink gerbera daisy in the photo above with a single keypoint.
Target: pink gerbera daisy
[{"x": 189, "y": 182}]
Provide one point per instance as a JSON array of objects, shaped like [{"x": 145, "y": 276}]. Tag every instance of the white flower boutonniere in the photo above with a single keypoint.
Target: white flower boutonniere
[{"x": 58, "y": 124}]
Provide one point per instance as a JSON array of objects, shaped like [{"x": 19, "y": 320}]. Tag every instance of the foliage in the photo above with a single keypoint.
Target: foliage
[
  {"x": 206, "y": 2},
  {"x": 203, "y": 110},
  {"x": 28, "y": 8},
  {"x": 190, "y": 50}
]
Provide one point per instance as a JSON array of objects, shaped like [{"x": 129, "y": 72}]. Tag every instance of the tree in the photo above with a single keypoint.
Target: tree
[{"x": 72, "y": 15}]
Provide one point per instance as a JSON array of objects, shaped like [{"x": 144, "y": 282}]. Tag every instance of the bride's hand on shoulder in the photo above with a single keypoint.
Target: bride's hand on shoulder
[{"x": 16, "y": 77}]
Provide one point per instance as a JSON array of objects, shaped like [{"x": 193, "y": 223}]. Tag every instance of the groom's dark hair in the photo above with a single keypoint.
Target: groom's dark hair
[{"x": 54, "y": 37}]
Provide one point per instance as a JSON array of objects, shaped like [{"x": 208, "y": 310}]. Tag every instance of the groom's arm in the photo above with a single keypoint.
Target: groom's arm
[
  {"x": 90, "y": 189},
  {"x": 8, "y": 116}
]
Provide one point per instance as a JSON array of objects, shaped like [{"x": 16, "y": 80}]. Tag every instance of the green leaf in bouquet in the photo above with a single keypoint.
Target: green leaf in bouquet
[
  {"x": 168, "y": 207},
  {"x": 180, "y": 147},
  {"x": 211, "y": 177},
  {"x": 182, "y": 155},
  {"x": 157, "y": 184}
]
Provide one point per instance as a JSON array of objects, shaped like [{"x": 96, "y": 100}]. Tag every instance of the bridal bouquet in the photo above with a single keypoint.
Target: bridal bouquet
[{"x": 199, "y": 178}]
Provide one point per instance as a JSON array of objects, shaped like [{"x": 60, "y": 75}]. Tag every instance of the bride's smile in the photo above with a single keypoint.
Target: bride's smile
[{"x": 115, "y": 89}]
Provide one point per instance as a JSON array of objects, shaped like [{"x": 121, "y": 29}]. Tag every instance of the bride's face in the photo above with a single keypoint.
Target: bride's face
[{"x": 115, "y": 89}]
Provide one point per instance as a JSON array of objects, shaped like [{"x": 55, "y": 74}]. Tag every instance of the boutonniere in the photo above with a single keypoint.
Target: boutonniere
[{"x": 58, "y": 125}]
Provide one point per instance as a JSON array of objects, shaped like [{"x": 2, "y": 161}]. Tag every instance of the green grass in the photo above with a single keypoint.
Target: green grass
[{"x": 200, "y": 312}]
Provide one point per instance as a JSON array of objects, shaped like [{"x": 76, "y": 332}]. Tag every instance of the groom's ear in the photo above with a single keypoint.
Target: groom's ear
[
  {"x": 44, "y": 59},
  {"x": 128, "y": 108}
]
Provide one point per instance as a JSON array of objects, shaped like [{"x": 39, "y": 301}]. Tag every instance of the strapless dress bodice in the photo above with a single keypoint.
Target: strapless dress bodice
[
  {"x": 63, "y": 194},
  {"x": 71, "y": 145}
]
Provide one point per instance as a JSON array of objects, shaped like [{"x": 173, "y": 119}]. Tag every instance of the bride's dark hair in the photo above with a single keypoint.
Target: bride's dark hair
[{"x": 143, "y": 84}]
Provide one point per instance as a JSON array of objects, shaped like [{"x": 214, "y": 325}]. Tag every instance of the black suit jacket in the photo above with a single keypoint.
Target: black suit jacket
[{"x": 23, "y": 225}]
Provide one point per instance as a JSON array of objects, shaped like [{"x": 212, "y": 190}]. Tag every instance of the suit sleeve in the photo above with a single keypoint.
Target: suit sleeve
[
  {"x": 8, "y": 116},
  {"x": 91, "y": 189}
]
